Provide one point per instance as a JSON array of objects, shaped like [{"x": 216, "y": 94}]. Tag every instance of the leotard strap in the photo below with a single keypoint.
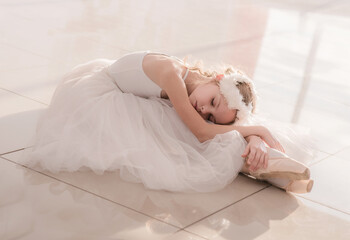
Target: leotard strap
[{"x": 186, "y": 74}]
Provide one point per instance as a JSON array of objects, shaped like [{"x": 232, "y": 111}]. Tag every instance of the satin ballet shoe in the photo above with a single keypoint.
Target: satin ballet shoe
[
  {"x": 295, "y": 186},
  {"x": 279, "y": 166}
]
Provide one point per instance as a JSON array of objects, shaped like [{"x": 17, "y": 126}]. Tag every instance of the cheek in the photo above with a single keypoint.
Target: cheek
[
  {"x": 234, "y": 116},
  {"x": 194, "y": 96},
  {"x": 193, "y": 99},
  {"x": 235, "y": 113}
]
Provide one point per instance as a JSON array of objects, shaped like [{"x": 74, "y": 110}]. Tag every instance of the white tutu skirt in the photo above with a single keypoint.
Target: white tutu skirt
[{"x": 91, "y": 124}]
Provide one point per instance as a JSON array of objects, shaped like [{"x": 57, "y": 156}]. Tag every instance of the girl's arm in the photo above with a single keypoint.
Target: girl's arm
[
  {"x": 212, "y": 129},
  {"x": 260, "y": 131},
  {"x": 250, "y": 137},
  {"x": 175, "y": 88}
]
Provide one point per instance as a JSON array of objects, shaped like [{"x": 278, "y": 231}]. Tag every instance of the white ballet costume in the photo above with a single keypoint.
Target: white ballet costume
[{"x": 107, "y": 115}]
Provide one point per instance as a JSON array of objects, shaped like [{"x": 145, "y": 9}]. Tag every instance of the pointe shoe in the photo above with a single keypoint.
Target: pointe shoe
[
  {"x": 295, "y": 186},
  {"x": 280, "y": 166}
]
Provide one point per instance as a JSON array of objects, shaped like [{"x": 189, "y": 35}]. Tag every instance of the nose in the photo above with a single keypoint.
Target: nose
[{"x": 203, "y": 111}]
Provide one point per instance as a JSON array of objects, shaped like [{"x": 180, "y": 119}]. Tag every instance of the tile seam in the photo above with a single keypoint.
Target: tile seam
[{"x": 92, "y": 193}]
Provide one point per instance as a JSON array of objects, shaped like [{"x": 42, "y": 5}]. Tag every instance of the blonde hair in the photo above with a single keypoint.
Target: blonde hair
[{"x": 246, "y": 89}]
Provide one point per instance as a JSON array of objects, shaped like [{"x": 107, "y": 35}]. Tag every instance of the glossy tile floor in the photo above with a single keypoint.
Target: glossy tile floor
[{"x": 299, "y": 54}]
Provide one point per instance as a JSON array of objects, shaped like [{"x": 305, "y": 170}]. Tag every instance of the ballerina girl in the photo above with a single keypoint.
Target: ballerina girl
[{"x": 162, "y": 123}]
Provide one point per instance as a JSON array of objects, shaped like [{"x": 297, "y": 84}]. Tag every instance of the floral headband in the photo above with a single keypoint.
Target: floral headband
[{"x": 228, "y": 88}]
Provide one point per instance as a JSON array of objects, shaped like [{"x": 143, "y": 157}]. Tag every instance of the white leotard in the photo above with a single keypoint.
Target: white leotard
[{"x": 128, "y": 74}]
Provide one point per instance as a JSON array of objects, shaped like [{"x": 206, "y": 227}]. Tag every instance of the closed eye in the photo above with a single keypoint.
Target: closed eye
[{"x": 212, "y": 103}]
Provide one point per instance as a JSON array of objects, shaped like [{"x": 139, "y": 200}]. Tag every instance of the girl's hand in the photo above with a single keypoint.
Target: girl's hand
[
  {"x": 258, "y": 156},
  {"x": 270, "y": 140}
]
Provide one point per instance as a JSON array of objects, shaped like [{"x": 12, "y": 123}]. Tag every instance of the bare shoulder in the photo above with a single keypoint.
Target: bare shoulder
[
  {"x": 176, "y": 89},
  {"x": 158, "y": 68}
]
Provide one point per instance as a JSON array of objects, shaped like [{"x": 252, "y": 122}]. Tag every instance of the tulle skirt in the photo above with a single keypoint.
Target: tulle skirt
[{"x": 92, "y": 125}]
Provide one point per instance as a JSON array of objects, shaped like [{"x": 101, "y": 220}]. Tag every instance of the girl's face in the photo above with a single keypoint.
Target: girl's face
[{"x": 211, "y": 104}]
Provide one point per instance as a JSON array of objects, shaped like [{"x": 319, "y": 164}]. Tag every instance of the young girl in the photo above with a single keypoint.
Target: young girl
[{"x": 162, "y": 123}]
